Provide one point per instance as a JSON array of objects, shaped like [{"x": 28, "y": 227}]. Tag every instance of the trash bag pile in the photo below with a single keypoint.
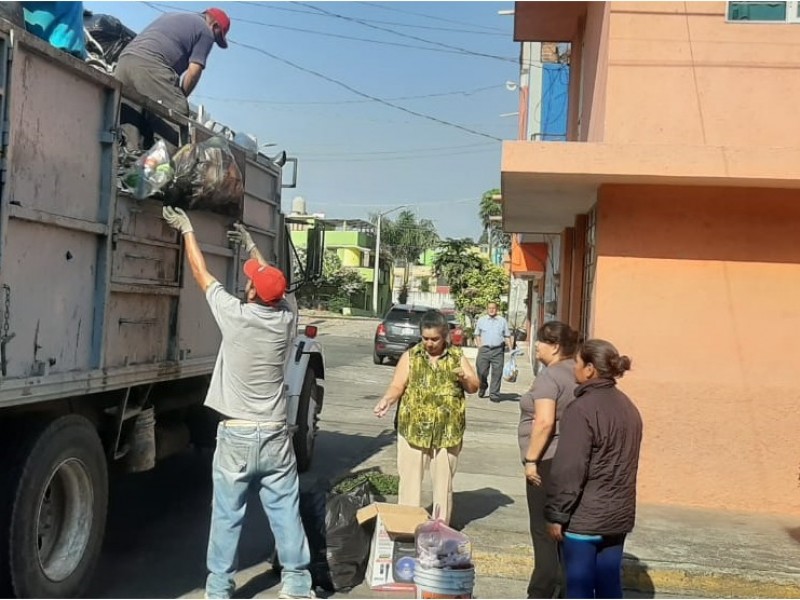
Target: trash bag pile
[
  {"x": 201, "y": 176},
  {"x": 106, "y": 37}
]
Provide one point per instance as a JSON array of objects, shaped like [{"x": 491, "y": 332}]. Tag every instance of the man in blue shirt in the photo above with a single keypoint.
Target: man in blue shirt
[
  {"x": 173, "y": 46},
  {"x": 491, "y": 336}
]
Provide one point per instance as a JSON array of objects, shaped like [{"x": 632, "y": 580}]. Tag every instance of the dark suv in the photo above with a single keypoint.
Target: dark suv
[{"x": 398, "y": 331}]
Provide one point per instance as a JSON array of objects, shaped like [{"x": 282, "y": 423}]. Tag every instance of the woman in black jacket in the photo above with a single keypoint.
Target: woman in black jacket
[{"x": 591, "y": 495}]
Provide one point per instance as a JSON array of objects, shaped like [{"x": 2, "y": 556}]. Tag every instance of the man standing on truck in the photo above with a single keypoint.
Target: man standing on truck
[
  {"x": 174, "y": 45},
  {"x": 253, "y": 442}
]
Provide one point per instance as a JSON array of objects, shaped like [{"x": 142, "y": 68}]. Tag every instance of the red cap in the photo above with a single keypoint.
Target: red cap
[
  {"x": 221, "y": 19},
  {"x": 269, "y": 282}
]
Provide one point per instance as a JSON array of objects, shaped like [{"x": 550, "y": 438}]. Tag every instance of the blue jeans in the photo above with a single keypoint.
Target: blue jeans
[
  {"x": 255, "y": 455},
  {"x": 593, "y": 566}
]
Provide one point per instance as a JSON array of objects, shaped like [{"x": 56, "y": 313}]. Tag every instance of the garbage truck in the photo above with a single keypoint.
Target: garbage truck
[{"x": 106, "y": 343}]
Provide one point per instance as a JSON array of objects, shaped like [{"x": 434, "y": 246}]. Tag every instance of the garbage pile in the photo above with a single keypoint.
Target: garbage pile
[
  {"x": 105, "y": 36},
  {"x": 200, "y": 176},
  {"x": 444, "y": 566}
]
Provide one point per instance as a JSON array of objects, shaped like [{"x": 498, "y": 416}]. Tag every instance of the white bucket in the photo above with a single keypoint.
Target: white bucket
[{"x": 444, "y": 583}]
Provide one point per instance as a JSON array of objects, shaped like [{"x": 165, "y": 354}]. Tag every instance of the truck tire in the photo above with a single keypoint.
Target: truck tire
[
  {"x": 54, "y": 513},
  {"x": 377, "y": 358},
  {"x": 307, "y": 413}
]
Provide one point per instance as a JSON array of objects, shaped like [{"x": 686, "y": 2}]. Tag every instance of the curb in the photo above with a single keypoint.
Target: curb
[{"x": 691, "y": 580}]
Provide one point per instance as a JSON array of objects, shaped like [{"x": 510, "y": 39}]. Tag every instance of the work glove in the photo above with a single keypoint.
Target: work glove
[
  {"x": 177, "y": 219},
  {"x": 240, "y": 235}
]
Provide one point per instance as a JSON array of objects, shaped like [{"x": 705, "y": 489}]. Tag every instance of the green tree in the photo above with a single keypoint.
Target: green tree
[
  {"x": 342, "y": 281},
  {"x": 454, "y": 259},
  {"x": 482, "y": 286},
  {"x": 405, "y": 238},
  {"x": 487, "y": 209}
]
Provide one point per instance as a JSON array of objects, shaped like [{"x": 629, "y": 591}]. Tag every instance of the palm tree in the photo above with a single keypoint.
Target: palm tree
[
  {"x": 406, "y": 238},
  {"x": 489, "y": 208}
]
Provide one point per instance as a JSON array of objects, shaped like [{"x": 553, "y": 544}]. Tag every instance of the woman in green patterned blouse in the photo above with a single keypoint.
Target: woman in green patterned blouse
[{"x": 430, "y": 379}]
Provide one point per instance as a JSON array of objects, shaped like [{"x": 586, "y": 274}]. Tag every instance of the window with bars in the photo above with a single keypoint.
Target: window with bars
[
  {"x": 764, "y": 12},
  {"x": 589, "y": 265}
]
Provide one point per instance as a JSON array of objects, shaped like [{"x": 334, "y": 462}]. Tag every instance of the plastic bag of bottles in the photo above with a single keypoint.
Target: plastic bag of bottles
[
  {"x": 206, "y": 178},
  {"x": 150, "y": 173},
  {"x": 510, "y": 371},
  {"x": 442, "y": 547}
]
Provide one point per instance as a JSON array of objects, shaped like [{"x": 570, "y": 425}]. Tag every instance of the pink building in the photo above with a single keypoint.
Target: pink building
[{"x": 676, "y": 205}]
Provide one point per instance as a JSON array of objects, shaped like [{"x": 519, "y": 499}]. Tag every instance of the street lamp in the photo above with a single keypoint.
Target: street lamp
[{"x": 376, "y": 275}]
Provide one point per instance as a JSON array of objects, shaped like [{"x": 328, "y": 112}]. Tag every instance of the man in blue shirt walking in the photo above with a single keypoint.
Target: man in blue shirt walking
[{"x": 491, "y": 336}]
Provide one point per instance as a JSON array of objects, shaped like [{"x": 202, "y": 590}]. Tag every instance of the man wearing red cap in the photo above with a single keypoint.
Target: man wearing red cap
[
  {"x": 174, "y": 45},
  {"x": 254, "y": 448}
]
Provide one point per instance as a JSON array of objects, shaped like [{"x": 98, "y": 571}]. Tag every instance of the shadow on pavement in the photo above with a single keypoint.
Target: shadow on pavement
[
  {"x": 636, "y": 580},
  {"x": 476, "y": 504},
  {"x": 794, "y": 534},
  {"x": 157, "y": 531},
  {"x": 509, "y": 397}
]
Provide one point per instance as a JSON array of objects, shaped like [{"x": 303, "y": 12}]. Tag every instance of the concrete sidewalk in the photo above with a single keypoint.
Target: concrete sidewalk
[{"x": 673, "y": 550}]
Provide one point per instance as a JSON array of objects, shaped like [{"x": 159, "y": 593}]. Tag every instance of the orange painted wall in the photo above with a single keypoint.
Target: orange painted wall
[
  {"x": 700, "y": 287},
  {"x": 679, "y": 73}
]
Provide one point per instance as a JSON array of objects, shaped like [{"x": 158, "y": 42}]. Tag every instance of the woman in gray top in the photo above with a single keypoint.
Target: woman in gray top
[{"x": 540, "y": 410}]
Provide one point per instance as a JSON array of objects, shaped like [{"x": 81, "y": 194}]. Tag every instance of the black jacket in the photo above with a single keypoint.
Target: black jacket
[{"x": 592, "y": 485}]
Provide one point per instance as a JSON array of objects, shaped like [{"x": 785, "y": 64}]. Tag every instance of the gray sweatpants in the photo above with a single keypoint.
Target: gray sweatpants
[{"x": 153, "y": 80}]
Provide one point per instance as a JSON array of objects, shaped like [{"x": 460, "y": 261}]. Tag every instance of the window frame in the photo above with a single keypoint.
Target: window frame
[{"x": 792, "y": 14}]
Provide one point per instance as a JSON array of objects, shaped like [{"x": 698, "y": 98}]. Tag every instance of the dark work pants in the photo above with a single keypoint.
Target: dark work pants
[
  {"x": 546, "y": 577},
  {"x": 490, "y": 358},
  {"x": 594, "y": 568},
  {"x": 155, "y": 81}
]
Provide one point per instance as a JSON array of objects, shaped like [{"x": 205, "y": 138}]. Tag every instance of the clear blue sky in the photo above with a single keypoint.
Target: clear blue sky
[{"x": 362, "y": 157}]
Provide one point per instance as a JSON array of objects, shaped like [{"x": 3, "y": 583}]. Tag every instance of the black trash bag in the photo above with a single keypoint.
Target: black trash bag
[
  {"x": 106, "y": 36},
  {"x": 338, "y": 545},
  {"x": 348, "y": 542},
  {"x": 206, "y": 178}
]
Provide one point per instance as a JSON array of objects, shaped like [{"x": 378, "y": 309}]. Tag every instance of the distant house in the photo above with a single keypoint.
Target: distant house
[{"x": 354, "y": 243}]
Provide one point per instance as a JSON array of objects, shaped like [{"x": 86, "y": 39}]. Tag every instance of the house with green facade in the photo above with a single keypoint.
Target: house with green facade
[{"x": 353, "y": 240}]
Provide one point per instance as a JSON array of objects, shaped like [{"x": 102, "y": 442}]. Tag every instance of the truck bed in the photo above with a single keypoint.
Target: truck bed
[{"x": 94, "y": 292}]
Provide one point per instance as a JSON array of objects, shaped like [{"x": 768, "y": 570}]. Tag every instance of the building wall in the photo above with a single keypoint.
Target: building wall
[
  {"x": 679, "y": 73},
  {"x": 699, "y": 286}
]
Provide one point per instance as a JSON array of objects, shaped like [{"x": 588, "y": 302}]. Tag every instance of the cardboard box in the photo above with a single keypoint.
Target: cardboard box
[{"x": 392, "y": 551}]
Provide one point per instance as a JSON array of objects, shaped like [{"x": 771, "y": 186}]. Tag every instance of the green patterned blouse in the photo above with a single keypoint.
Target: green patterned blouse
[{"x": 432, "y": 410}]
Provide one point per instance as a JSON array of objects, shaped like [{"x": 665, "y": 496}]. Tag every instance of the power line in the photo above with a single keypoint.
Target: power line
[
  {"x": 429, "y": 149},
  {"x": 329, "y": 34},
  {"x": 354, "y": 90},
  {"x": 364, "y": 94},
  {"x": 416, "y": 14},
  {"x": 380, "y": 22},
  {"x": 392, "y": 158},
  {"x": 406, "y": 35},
  {"x": 326, "y": 102}
]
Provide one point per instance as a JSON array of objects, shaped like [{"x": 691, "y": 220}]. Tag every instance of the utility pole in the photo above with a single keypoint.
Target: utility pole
[{"x": 376, "y": 274}]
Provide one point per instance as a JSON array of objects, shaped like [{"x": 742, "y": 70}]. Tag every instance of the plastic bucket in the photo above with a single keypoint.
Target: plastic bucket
[{"x": 444, "y": 583}]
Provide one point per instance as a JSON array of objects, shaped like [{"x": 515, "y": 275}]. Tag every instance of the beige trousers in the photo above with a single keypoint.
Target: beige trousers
[{"x": 412, "y": 462}]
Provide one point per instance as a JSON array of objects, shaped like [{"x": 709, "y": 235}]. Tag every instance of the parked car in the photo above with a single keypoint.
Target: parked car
[
  {"x": 456, "y": 332},
  {"x": 398, "y": 331}
]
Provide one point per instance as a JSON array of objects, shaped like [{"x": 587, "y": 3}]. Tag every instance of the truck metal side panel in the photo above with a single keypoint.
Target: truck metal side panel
[{"x": 99, "y": 294}]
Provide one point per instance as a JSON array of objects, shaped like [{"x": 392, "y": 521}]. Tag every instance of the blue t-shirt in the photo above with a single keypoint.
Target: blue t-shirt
[
  {"x": 493, "y": 331},
  {"x": 174, "y": 40},
  {"x": 60, "y": 23}
]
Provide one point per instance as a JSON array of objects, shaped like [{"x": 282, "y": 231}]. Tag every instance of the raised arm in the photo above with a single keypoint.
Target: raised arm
[{"x": 178, "y": 219}]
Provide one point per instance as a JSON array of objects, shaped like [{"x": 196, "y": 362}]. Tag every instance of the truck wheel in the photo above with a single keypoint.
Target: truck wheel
[
  {"x": 55, "y": 514},
  {"x": 307, "y": 412},
  {"x": 377, "y": 358}
]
